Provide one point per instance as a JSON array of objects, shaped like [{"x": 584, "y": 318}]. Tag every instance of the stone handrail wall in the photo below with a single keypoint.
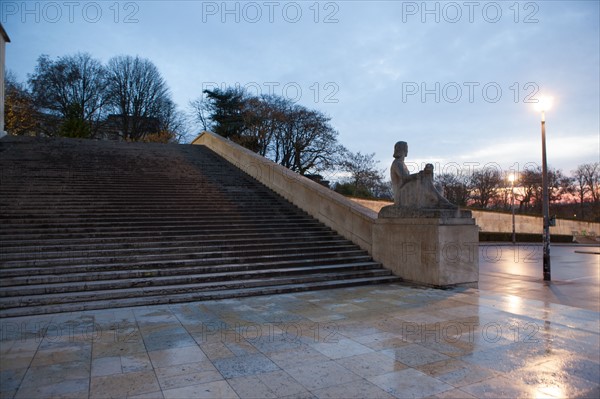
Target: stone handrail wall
[
  {"x": 434, "y": 251},
  {"x": 350, "y": 219},
  {"x": 495, "y": 222}
]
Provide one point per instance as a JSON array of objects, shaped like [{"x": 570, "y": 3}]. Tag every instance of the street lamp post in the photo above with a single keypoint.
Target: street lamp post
[
  {"x": 544, "y": 105},
  {"x": 512, "y": 206}
]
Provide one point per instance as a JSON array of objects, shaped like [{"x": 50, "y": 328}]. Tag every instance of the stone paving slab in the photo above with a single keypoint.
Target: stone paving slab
[{"x": 386, "y": 341}]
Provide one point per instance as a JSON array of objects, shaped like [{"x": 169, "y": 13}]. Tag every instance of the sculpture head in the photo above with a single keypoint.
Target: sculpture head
[
  {"x": 401, "y": 149},
  {"x": 428, "y": 169}
]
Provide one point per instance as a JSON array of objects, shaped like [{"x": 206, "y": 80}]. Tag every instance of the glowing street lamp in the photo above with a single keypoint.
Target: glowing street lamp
[
  {"x": 544, "y": 104},
  {"x": 511, "y": 178}
]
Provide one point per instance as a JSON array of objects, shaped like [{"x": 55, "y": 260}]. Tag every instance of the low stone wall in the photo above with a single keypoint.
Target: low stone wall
[
  {"x": 495, "y": 222},
  {"x": 434, "y": 251}
]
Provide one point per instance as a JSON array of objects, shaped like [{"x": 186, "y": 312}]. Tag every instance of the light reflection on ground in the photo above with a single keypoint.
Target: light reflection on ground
[
  {"x": 517, "y": 270},
  {"x": 515, "y": 336}
]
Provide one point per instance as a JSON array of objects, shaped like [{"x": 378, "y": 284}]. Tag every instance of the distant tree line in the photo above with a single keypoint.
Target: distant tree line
[
  {"x": 77, "y": 96},
  {"x": 575, "y": 196}
]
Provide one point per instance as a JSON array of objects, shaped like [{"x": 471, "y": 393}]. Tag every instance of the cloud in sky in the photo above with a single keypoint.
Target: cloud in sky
[{"x": 451, "y": 78}]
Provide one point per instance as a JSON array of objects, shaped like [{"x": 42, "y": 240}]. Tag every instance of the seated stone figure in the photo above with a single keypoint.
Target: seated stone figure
[{"x": 414, "y": 191}]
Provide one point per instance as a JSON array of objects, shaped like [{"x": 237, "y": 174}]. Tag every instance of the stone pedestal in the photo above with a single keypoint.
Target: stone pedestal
[{"x": 434, "y": 247}]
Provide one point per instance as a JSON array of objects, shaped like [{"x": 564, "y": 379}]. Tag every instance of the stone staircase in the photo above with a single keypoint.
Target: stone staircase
[{"x": 92, "y": 225}]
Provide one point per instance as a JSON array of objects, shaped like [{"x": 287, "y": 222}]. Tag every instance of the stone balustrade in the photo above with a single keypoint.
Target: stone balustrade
[
  {"x": 497, "y": 222},
  {"x": 435, "y": 251}
]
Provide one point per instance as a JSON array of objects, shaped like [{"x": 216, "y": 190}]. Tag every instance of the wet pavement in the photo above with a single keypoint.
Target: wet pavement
[
  {"x": 517, "y": 270},
  {"x": 515, "y": 336}
]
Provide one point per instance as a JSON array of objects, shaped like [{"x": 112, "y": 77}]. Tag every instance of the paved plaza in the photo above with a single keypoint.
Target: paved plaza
[{"x": 515, "y": 336}]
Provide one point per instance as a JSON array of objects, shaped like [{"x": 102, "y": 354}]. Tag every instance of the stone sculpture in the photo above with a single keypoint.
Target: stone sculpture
[
  {"x": 423, "y": 237},
  {"x": 414, "y": 190},
  {"x": 415, "y": 194}
]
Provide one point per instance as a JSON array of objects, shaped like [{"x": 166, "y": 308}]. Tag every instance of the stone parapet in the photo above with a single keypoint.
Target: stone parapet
[
  {"x": 390, "y": 241},
  {"x": 497, "y": 222}
]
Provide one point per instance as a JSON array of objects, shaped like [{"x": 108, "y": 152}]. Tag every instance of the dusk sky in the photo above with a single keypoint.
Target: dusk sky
[{"x": 453, "y": 79}]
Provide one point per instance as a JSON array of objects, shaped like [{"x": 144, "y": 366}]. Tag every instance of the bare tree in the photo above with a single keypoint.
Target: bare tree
[
  {"x": 455, "y": 187},
  {"x": 73, "y": 86},
  {"x": 586, "y": 187},
  {"x": 364, "y": 179},
  {"x": 200, "y": 112},
  {"x": 263, "y": 117},
  {"x": 172, "y": 122},
  {"x": 307, "y": 140},
  {"x": 558, "y": 185},
  {"x": 591, "y": 173},
  {"x": 580, "y": 186},
  {"x": 531, "y": 187},
  {"x": 139, "y": 95},
  {"x": 485, "y": 184},
  {"x": 290, "y": 134}
]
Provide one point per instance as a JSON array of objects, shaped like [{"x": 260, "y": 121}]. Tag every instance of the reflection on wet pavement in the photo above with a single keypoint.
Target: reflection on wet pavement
[
  {"x": 517, "y": 270},
  {"x": 377, "y": 342}
]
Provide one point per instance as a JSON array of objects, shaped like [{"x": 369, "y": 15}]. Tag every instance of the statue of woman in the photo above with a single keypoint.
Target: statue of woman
[{"x": 414, "y": 190}]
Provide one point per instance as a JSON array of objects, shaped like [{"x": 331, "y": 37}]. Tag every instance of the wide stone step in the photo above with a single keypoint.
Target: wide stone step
[
  {"x": 181, "y": 254},
  {"x": 156, "y": 210},
  {"x": 115, "y": 242},
  {"x": 124, "y": 273},
  {"x": 136, "y": 217},
  {"x": 69, "y": 195},
  {"x": 148, "y": 280},
  {"x": 148, "y": 236},
  {"x": 139, "y": 212},
  {"x": 192, "y": 220},
  {"x": 114, "y": 197},
  {"x": 321, "y": 257},
  {"x": 109, "y": 250},
  {"x": 93, "y": 211},
  {"x": 125, "y": 230},
  {"x": 129, "y": 188},
  {"x": 107, "y": 187},
  {"x": 27, "y": 204},
  {"x": 194, "y": 296},
  {"x": 158, "y": 185},
  {"x": 69, "y": 297}
]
